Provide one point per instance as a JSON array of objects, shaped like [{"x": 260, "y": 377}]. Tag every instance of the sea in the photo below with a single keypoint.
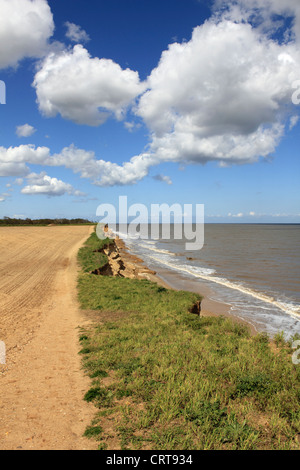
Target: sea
[{"x": 252, "y": 268}]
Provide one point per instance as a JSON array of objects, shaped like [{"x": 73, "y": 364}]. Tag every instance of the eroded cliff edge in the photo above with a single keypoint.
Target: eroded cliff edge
[{"x": 121, "y": 263}]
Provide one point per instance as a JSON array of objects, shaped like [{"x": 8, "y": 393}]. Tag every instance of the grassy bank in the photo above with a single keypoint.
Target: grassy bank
[{"x": 163, "y": 378}]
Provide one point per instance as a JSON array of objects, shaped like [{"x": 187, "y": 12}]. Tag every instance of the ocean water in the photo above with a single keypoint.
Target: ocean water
[{"x": 253, "y": 268}]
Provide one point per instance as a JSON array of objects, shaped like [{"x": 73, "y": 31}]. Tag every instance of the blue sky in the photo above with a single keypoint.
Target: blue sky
[{"x": 174, "y": 101}]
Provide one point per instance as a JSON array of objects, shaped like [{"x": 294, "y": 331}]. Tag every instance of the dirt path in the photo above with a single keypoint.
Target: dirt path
[{"x": 42, "y": 383}]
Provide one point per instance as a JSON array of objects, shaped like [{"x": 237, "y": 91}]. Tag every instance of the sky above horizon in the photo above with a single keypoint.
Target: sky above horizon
[{"x": 174, "y": 101}]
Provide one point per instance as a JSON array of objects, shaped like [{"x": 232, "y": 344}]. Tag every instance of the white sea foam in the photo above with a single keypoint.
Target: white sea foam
[
  {"x": 208, "y": 274},
  {"x": 157, "y": 250}
]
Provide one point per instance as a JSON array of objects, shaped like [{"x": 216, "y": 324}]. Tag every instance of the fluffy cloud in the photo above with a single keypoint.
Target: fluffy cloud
[
  {"x": 25, "y": 130},
  {"x": 163, "y": 179},
  {"x": 13, "y": 160},
  {"x": 75, "y": 33},
  {"x": 82, "y": 89},
  {"x": 262, "y": 15},
  {"x": 25, "y": 27},
  {"x": 101, "y": 172},
  {"x": 45, "y": 185},
  {"x": 293, "y": 122},
  {"x": 221, "y": 96},
  {"x": 131, "y": 126}
]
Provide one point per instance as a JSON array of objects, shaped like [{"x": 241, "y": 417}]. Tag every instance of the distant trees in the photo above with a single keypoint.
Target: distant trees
[{"x": 15, "y": 222}]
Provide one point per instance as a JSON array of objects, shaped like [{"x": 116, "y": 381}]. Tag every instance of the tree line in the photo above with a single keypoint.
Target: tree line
[{"x": 9, "y": 221}]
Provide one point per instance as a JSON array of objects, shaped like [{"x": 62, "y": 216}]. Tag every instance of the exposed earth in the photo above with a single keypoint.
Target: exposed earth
[{"x": 42, "y": 383}]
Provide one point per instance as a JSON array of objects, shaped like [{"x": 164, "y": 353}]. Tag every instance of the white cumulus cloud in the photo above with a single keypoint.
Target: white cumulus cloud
[
  {"x": 25, "y": 28},
  {"x": 75, "y": 33},
  {"x": 45, "y": 185},
  {"x": 221, "y": 96},
  {"x": 83, "y": 89},
  {"x": 224, "y": 96},
  {"x": 263, "y": 14},
  {"x": 14, "y": 160},
  {"x": 25, "y": 130},
  {"x": 101, "y": 172}
]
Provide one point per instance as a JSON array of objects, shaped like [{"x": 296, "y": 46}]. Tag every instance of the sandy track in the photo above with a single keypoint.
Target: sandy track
[{"x": 42, "y": 383}]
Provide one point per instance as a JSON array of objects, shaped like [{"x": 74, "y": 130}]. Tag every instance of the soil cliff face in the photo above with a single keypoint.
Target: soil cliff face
[{"x": 121, "y": 263}]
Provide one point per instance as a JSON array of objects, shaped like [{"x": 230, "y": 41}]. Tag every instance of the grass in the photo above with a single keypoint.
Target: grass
[
  {"x": 165, "y": 379},
  {"x": 89, "y": 256}
]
